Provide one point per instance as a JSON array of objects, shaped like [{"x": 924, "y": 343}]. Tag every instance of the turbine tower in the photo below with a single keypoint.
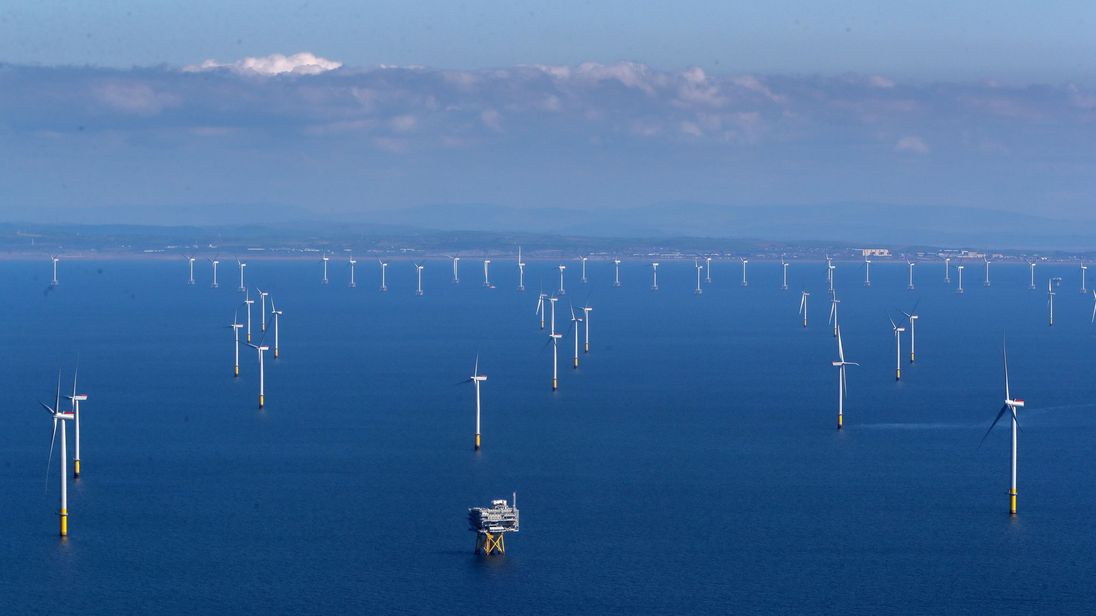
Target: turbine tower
[
  {"x": 584, "y": 270},
  {"x": 58, "y": 416},
  {"x": 236, "y": 326},
  {"x": 833, "y": 312},
  {"x": 418, "y": 268},
  {"x": 76, "y": 399},
  {"x": 1084, "y": 270},
  {"x": 698, "y": 268},
  {"x": 708, "y": 270},
  {"x": 867, "y": 272},
  {"x": 242, "y": 266},
  {"x": 277, "y": 317},
  {"x": 912, "y": 317},
  {"x": 1050, "y": 299},
  {"x": 803, "y": 306},
  {"x": 960, "y": 268},
  {"x": 829, "y": 273},
  {"x": 575, "y": 320},
  {"x": 190, "y": 281},
  {"x": 261, "y": 348},
  {"x": 384, "y": 269},
  {"x": 985, "y": 283},
  {"x": 353, "y": 263},
  {"x": 248, "y": 301},
  {"x": 540, "y": 307},
  {"x": 616, "y": 279},
  {"x": 476, "y": 379},
  {"x": 214, "y": 263},
  {"x": 842, "y": 388},
  {"x": 910, "y": 264},
  {"x": 784, "y": 266},
  {"x": 562, "y": 291},
  {"x": 456, "y": 270},
  {"x": 898, "y": 342},
  {"x": 262, "y": 311},
  {"x": 654, "y": 276},
  {"x": 486, "y": 278},
  {"x": 555, "y": 359},
  {"x": 521, "y": 271},
  {"x": 53, "y": 281},
  {"x": 325, "y": 260},
  {"x": 947, "y": 270},
  {"x": 1010, "y": 407},
  {"x": 745, "y": 282},
  {"x": 586, "y": 310},
  {"x": 1031, "y": 268}
]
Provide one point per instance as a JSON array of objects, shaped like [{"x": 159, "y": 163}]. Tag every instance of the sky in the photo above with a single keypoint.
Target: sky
[{"x": 341, "y": 109}]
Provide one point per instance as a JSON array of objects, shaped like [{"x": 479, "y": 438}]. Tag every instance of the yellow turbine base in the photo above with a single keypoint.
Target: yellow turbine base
[
  {"x": 64, "y": 523},
  {"x": 587, "y": 347},
  {"x": 236, "y": 371},
  {"x": 490, "y": 543},
  {"x": 260, "y": 401},
  {"x": 898, "y": 375},
  {"x": 839, "y": 422},
  {"x": 477, "y": 442},
  {"x": 249, "y": 337},
  {"x": 576, "y": 362},
  {"x": 555, "y": 384},
  {"x": 76, "y": 468},
  {"x": 275, "y": 352},
  {"x": 911, "y": 358},
  {"x": 1012, "y": 502}
]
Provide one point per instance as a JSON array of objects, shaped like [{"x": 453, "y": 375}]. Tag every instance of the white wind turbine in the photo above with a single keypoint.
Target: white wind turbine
[
  {"x": 540, "y": 307},
  {"x": 910, "y": 264},
  {"x": 1010, "y": 407},
  {"x": 947, "y": 270},
  {"x": 1031, "y": 270},
  {"x": 698, "y": 268},
  {"x": 214, "y": 263},
  {"x": 476, "y": 379},
  {"x": 353, "y": 264},
  {"x": 616, "y": 279},
  {"x": 867, "y": 272},
  {"x": 242, "y": 266},
  {"x": 898, "y": 342},
  {"x": 842, "y": 387},
  {"x": 76, "y": 399},
  {"x": 521, "y": 271},
  {"x": 190, "y": 281},
  {"x": 418, "y": 268},
  {"x": 1084, "y": 270},
  {"x": 575, "y": 320},
  {"x": 236, "y": 326},
  {"x": 833, "y": 312},
  {"x": 456, "y": 270},
  {"x": 53, "y": 282},
  {"x": 325, "y": 260},
  {"x": 583, "y": 270},
  {"x": 586, "y": 310},
  {"x": 554, "y": 337},
  {"x": 1050, "y": 299},
  {"x": 745, "y": 282},
  {"x": 985, "y": 283},
  {"x": 58, "y": 416},
  {"x": 277, "y": 314},
  {"x": 803, "y": 306},
  {"x": 784, "y": 266},
  {"x": 261, "y": 348},
  {"x": 960, "y": 269},
  {"x": 262, "y": 310},
  {"x": 384, "y": 269},
  {"x": 562, "y": 291},
  {"x": 654, "y": 276},
  {"x": 248, "y": 301},
  {"x": 486, "y": 276},
  {"x": 552, "y": 301},
  {"x": 829, "y": 273},
  {"x": 708, "y": 270},
  {"x": 912, "y": 317}
]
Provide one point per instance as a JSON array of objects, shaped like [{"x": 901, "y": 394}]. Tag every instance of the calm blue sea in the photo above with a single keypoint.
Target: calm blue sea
[{"x": 690, "y": 465}]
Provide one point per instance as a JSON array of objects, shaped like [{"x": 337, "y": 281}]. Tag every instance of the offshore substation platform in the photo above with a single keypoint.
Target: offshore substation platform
[{"x": 492, "y": 523}]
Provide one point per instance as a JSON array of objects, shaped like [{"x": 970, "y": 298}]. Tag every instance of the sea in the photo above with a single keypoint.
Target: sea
[{"x": 690, "y": 465}]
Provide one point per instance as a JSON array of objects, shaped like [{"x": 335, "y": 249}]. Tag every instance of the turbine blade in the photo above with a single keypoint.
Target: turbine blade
[
  {"x": 57, "y": 400},
  {"x": 50, "y": 458},
  {"x": 1004, "y": 355},
  {"x": 1000, "y": 414},
  {"x": 475, "y": 371}
]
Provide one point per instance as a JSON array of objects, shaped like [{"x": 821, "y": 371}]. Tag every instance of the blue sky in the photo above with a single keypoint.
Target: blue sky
[{"x": 117, "y": 106}]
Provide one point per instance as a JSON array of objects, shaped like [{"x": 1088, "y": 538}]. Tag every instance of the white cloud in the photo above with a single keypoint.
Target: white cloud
[
  {"x": 138, "y": 98},
  {"x": 912, "y": 144},
  {"x": 303, "y": 63}
]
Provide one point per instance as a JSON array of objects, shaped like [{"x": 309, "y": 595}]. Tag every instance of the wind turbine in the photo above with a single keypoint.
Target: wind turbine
[
  {"x": 833, "y": 312},
  {"x": 867, "y": 272},
  {"x": 842, "y": 387},
  {"x": 214, "y": 263},
  {"x": 910, "y": 264},
  {"x": 248, "y": 301},
  {"x": 76, "y": 399},
  {"x": 708, "y": 270},
  {"x": 947, "y": 270},
  {"x": 476, "y": 379},
  {"x": 698, "y": 268},
  {"x": 960, "y": 268},
  {"x": 912, "y": 316},
  {"x": 552, "y": 301},
  {"x": 325, "y": 260},
  {"x": 784, "y": 266},
  {"x": 262, "y": 311},
  {"x": 584, "y": 270},
  {"x": 486, "y": 278},
  {"x": 654, "y": 276},
  {"x": 540, "y": 307},
  {"x": 574, "y": 325},
  {"x": 242, "y": 266},
  {"x": 1010, "y": 407},
  {"x": 616, "y": 279},
  {"x": 384, "y": 268},
  {"x": 1050, "y": 299},
  {"x": 353, "y": 263},
  {"x": 190, "y": 281},
  {"x": 456, "y": 270},
  {"x": 561, "y": 291},
  {"x": 829, "y": 273},
  {"x": 1031, "y": 268},
  {"x": 236, "y": 326},
  {"x": 586, "y": 310},
  {"x": 277, "y": 317},
  {"x": 521, "y": 271},
  {"x": 898, "y": 341},
  {"x": 554, "y": 337},
  {"x": 261, "y": 348},
  {"x": 57, "y": 415},
  {"x": 1084, "y": 270},
  {"x": 803, "y": 306},
  {"x": 745, "y": 282},
  {"x": 986, "y": 282},
  {"x": 418, "y": 267},
  {"x": 53, "y": 282}
]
